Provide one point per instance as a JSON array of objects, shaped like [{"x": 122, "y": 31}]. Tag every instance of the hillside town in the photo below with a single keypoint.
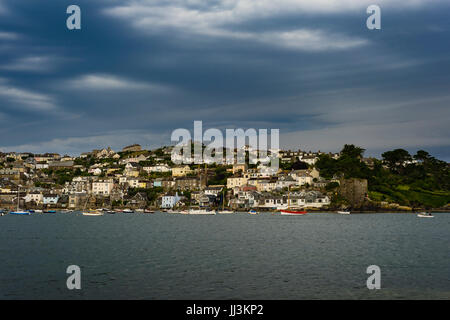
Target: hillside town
[{"x": 136, "y": 178}]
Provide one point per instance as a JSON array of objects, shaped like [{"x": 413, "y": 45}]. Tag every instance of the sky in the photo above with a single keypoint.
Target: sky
[{"x": 139, "y": 69}]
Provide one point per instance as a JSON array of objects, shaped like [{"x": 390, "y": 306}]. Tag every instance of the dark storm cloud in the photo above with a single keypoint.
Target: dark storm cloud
[{"x": 139, "y": 69}]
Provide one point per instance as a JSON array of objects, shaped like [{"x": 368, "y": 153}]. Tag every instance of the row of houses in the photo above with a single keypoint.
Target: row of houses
[{"x": 248, "y": 197}]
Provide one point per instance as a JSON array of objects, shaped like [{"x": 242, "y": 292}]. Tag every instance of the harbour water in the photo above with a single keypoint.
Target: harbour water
[{"x": 242, "y": 256}]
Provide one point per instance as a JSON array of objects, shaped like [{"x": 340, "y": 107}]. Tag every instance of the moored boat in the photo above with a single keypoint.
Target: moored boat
[
  {"x": 201, "y": 212},
  {"x": 18, "y": 211},
  {"x": 226, "y": 212},
  {"x": 343, "y": 212},
  {"x": 425, "y": 215},
  {"x": 24, "y": 213},
  {"x": 293, "y": 212},
  {"x": 127, "y": 211},
  {"x": 253, "y": 212},
  {"x": 92, "y": 213}
]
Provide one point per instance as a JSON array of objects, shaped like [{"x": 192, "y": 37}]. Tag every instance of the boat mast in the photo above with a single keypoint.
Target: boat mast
[
  {"x": 289, "y": 197},
  {"x": 18, "y": 192}
]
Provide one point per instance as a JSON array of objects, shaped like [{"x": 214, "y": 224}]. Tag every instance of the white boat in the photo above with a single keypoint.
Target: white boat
[
  {"x": 343, "y": 212},
  {"x": 38, "y": 211},
  {"x": 127, "y": 211},
  {"x": 201, "y": 211},
  {"x": 253, "y": 212},
  {"x": 18, "y": 211},
  {"x": 425, "y": 215},
  {"x": 226, "y": 212},
  {"x": 223, "y": 211},
  {"x": 92, "y": 213}
]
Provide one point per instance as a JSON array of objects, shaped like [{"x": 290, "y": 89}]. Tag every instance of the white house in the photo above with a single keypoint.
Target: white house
[
  {"x": 102, "y": 187},
  {"x": 213, "y": 191},
  {"x": 137, "y": 159},
  {"x": 40, "y": 166},
  {"x": 133, "y": 182},
  {"x": 285, "y": 182},
  {"x": 157, "y": 168},
  {"x": 169, "y": 201},
  {"x": 35, "y": 196},
  {"x": 234, "y": 182},
  {"x": 50, "y": 199}
]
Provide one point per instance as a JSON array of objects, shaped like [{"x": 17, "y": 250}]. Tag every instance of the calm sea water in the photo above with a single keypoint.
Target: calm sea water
[{"x": 164, "y": 256}]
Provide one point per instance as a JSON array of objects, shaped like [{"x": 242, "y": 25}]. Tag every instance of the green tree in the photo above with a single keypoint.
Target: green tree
[
  {"x": 396, "y": 159},
  {"x": 352, "y": 151}
]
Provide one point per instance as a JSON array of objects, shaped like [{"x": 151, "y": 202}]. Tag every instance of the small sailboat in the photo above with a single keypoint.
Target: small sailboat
[
  {"x": 92, "y": 213},
  {"x": 148, "y": 211},
  {"x": 223, "y": 211},
  {"x": 201, "y": 212},
  {"x": 18, "y": 211},
  {"x": 343, "y": 212},
  {"x": 226, "y": 212},
  {"x": 253, "y": 212},
  {"x": 425, "y": 215},
  {"x": 127, "y": 211},
  {"x": 292, "y": 211}
]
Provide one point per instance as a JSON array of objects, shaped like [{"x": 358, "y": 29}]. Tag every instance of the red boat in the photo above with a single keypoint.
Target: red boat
[{"x": 292, "y": 212}]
